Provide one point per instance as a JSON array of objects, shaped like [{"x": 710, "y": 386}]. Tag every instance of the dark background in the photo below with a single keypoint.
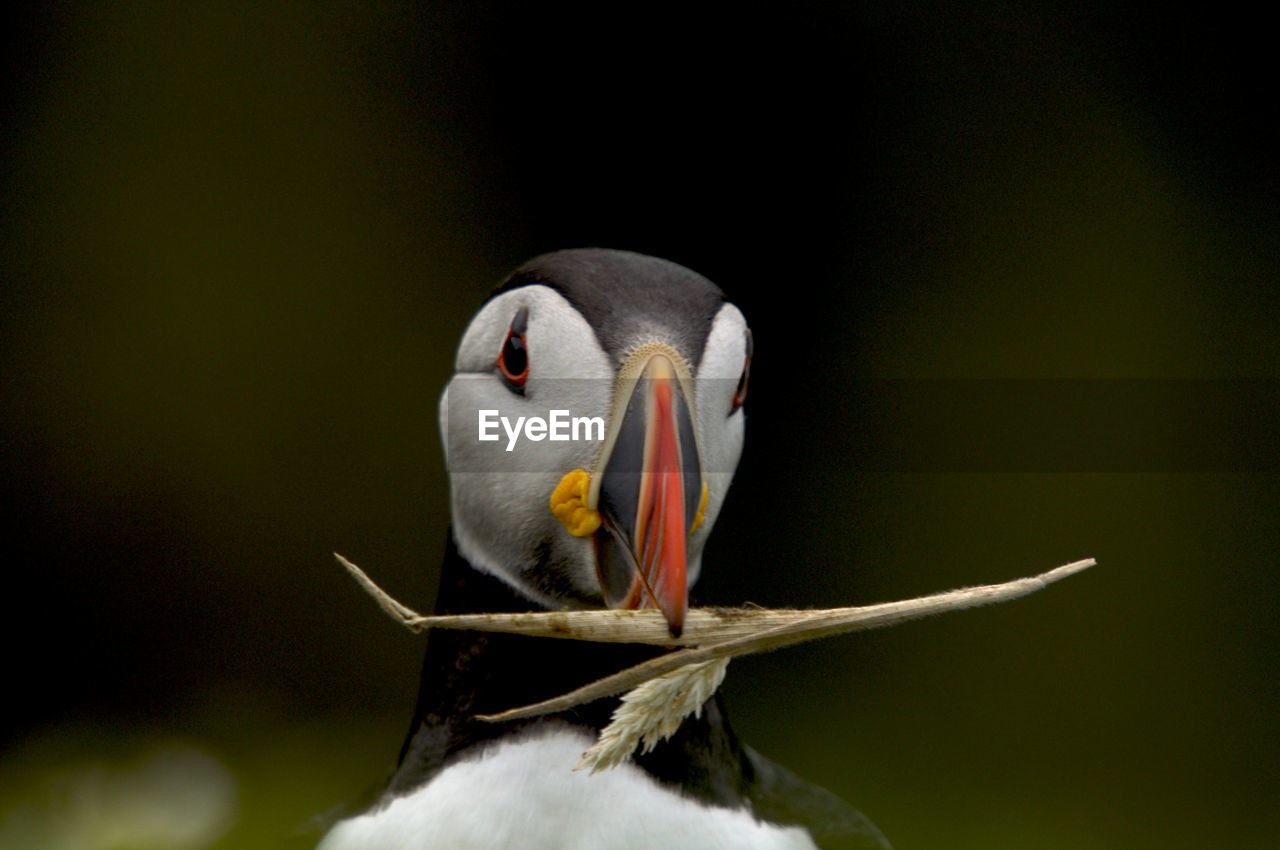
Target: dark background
[{"x": 240, "y": 242}]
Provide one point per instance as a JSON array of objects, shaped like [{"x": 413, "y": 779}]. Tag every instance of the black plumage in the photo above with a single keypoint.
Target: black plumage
[
  {"x": 622, "y": 294},
  {"x": 629, "y": 301},
  {"x": 467, "y": 673}
]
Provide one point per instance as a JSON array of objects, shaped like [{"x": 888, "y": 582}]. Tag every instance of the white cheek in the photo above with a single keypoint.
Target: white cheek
[
  {"x": 720, "y": 428},
  {"x": 561, "y": 343},
  {"x": 500, "y": 488},
  {"x": 478, "y": 351},
  {"x": 499, "y": 498}
]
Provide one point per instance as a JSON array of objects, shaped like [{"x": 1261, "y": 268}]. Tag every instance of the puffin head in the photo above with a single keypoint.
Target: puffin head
[{"x": 592, "y": 427}]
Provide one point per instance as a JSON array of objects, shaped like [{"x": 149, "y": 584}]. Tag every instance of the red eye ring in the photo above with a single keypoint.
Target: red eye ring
[
  {"x": 513, "y": 358},
  {"x": 740, "y": 394}
]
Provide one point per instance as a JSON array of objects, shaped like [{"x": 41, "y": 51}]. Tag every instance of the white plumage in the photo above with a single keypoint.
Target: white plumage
[
  {"x": 573, "y": 331},
  {"x": 523, "y": 792}
]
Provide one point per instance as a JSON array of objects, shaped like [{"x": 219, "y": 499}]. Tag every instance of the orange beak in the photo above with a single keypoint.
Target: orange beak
[{"x": 648, "y": 498}]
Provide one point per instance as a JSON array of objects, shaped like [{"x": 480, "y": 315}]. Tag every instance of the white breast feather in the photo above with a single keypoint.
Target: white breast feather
[{"x": 524, "y": 793}]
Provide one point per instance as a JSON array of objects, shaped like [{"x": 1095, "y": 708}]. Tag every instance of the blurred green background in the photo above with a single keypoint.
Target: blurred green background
[{"x": 241, "y": 240}]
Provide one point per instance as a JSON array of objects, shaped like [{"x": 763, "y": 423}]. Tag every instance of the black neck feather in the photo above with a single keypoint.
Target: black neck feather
[{"x": 467, "y": 673}]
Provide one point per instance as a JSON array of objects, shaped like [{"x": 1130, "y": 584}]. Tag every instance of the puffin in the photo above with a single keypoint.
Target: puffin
[{"x": 591, "y": 430}]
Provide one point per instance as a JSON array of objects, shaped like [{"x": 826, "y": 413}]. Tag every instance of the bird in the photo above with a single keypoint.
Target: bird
[{"x": 654, "y": 361}]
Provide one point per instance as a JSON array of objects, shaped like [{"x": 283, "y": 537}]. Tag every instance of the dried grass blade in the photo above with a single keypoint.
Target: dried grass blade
[
  {"x": 703, "y": 626},
  {"x": 810, "y": 625},
  {"x": 652, "y": 712}
]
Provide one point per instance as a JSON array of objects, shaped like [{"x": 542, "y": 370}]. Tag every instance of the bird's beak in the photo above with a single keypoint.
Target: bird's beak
[{"x": 648, "y": 488}]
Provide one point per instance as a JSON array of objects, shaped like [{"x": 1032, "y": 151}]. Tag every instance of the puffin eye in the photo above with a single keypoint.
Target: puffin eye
[
  {"x": 513, "y": 359},
  {"x": 740, "y": 394}
]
